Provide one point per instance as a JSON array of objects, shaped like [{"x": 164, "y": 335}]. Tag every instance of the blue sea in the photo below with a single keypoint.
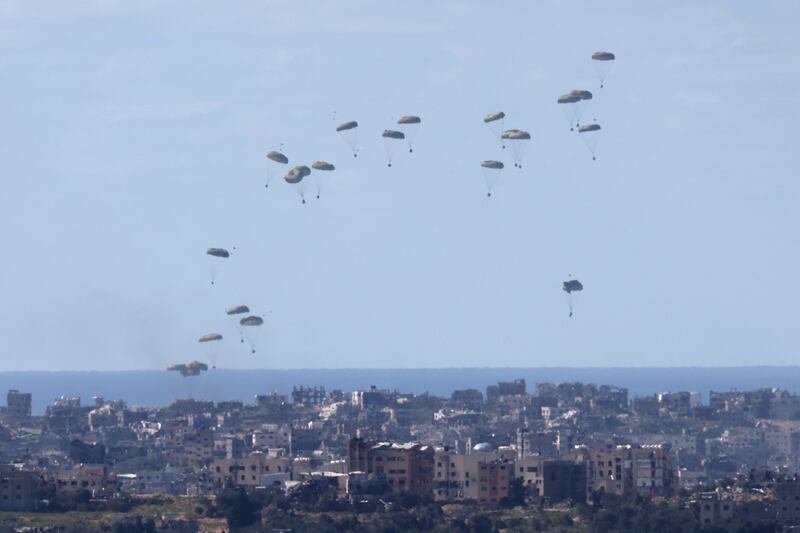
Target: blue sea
[{"x": 154, "y": 387}]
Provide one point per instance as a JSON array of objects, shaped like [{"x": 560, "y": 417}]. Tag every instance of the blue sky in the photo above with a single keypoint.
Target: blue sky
[{"x": 133, "y": 138}]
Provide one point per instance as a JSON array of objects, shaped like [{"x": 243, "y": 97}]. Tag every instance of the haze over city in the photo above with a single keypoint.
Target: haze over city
[{"x": 134, "y": 138}]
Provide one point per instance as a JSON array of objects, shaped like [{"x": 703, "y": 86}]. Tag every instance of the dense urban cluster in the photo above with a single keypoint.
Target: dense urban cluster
[{"x": 503, "y": 458}]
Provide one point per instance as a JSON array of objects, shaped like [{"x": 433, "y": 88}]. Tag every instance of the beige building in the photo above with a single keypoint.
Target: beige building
[
  {"x": 529, "y": 468},
  {"x": 647, "y": 470},
  {"x": 484, "y": 477},
  {"x": 405, "y": 467},
  {"x": 248, "y": 471},
  {"x": 272, "y": 436},
  {"x": 191, "y": 449},
  {"x": 81, "y": 476}
]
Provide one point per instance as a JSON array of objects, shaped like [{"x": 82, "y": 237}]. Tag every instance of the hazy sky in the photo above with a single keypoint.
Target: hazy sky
[{"x": 133, "y": 137}]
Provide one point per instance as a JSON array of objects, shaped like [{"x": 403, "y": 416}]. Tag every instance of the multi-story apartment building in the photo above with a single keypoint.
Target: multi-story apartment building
[
  {"x": 272, "y": 436},
  {"x": 248, "y": 471},
  {"x": 18, "y": 489},
  {"x": 406, "y": 467},
  {"x": 484, "y": 477},
  {"x": 646, "y": 470},
  {"x": 563, "y": 480},
  {"x": 18, "y": 405},
  {"x": 713, "y": 509}
]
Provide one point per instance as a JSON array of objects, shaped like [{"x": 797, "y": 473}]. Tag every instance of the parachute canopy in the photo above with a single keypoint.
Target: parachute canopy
[
  {"x": 572, "y": 285},
  {"x": 491, "y": 117},
  {"x": 409, "y": 119},
  {"x": 568, "y": 99},
  {"x": 392, "y": 134},
  {"x": 491, "y": 173},
  {"x": 218, "y": 252},
  {"x": 604, "y": 62},
  {"x": 588, "y": 127},
  {"x": 603, "y": 56},
  {"x": 296, "y": 174},
  {"x": 277, "y": 157},
  {"x": 517, "y": 135},
  {"x": 251, "y": 320},
  {"x": 237, "y": 310},
  {"x": 191, "y": 369},
  {"x": 209, "y": 337},
  {"x": 251, "y": 332},
  {"x": 344, "y": 126},
  {"x": 322, "y": 165},
  {"x": 582, "y": 94}
]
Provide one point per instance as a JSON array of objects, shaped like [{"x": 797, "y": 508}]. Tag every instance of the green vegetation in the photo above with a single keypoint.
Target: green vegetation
[
  {"x": 115, "y": 515},
  {"x": 315, "y": 509}
]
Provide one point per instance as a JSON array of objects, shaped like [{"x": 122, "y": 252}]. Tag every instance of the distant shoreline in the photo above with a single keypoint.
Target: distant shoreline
[
  {"x": 403, "y": 369},
  {"x": 159, "y": 387}
]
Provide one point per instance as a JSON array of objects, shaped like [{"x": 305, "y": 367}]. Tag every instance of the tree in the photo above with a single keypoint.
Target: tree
[
  {"x": 238, "y": 509},
  {"x": 516, "y": 493}
]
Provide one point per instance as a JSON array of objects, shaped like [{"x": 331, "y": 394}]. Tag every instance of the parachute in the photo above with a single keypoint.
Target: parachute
[
  {"x": 604, "y": 62},
  {"x": 218, "y": 252},
  {"x": 518, "y": 141},
  {"x": 251, "y": 325},
  {"x": 187, "y": 370},
  {"x": 591, "y": 135},
  {"x": 573, "y": 104},
  {"x": 322, "y": 165},
  {"x": 491, "y": 173},
  {"x": 348, "y": 131},
  {"x": 276, "y": 161},
  {"x": 497, "y": 123},
  {"x": 212, "y": 346},
  {"x": 567, "y": 104},
  {"x": 295, "y": 178},
  {"x": 216, "y": 258},
  {"x": 391, "y": 141},
  {"x": 410, "y": 125},
  {"x": 238, "y": 310},
  {"x": 571, "y": 286},
  {"x": 319, "y": 177},
  {"x": 581, "y": 93}
]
